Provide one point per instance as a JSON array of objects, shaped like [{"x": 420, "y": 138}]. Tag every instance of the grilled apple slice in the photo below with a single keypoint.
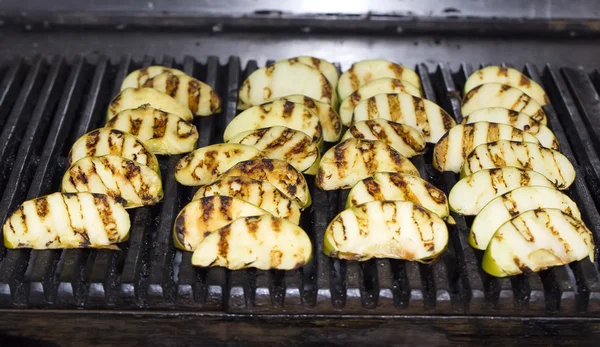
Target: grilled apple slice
[
  {"x": 552, "y": 164},
  {"x": 106, "y": 141},
  {"x": 137, "y": 78},
  {"x": 263, "y": 242},
  {"x": 416, "y": 112},
  {"x": 450, "y": 152},
  {"x": 201, "y": 217},
  {"x": 510, "y": 77},
  {"x": 474, "y": 192},
  {"x": 285, "y": 78},
  {"x": 161, "y": 132},
  {"x": 501, "y": 95},
  {"x": 331, "y": 123},
  {"x": 128, "y": 182},
  {"x": 198, "y": 96},
  {"x": 511, "y": 204},
  {"x": 366, "y": 71},
  {"x": 67, "y": 221},
  {"x": 277, "y": 113},
  {"x": 407, "y": 140},
  {"x": 517, "y": 120},
  {"x": 282, "y": 175},
  {"x": 352, "y": 160},
  {"x": 537, "y": 240},
  {"x": 204, "y": 165},
  {"x": 259, "y": 193},
  {"x": 397, "y": 186},
  {"x": 386, "y": 229},
  {"x": 326, "y": 68},
  {"x": 136, "y": 97},
  {"x": 379, "y": 86},
  {"x": 282, "y": 143}
]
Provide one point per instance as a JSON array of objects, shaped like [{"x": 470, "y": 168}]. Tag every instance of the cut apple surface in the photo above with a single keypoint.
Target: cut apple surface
[
  {"x": 326, "y": 68},
  {"x": 407, "y": 140},
  {"x": 510, "y": 77},
  {"x": 135, "y": 97},
  {"x": 137, "y": 78}
]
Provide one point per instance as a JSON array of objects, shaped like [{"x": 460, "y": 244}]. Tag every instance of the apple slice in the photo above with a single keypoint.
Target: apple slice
[
  {"x": 282, "y": 175},
  {"x": 135, "y": 97},
  {"x": 326, "y": 68},
  {"x": 386, "y": 229},
  {"x": 58, "y": 220},
  {"x": 352, "y": 160},
  {"x": 366, "y": 71},
  {"x": 511, "y": 204},
  {"x": 106, "y": 141},
  {"x": 517, "y": 120},
  {"x": 285, "y": 78},
  {"x": 552, "y": 164},
  {"x": 137, "y": 78},
  {"x": 450, "y": 152},
  {"x": 263, "y": 242},
  {"x": 407, "y": 109},
  {"x": 260, "y": 193},
  {"x": 378, "y": 86},
  {"x": 399, "y": 186},
  {"x": 277, "y": 113},
  {"x": 501, "y": 95},
  {"x": 407, "y": 140},
  {"x": 510, "y": 77},
  {"x": 474, "y": 192},
  {"x": 536, "y": 240},
  {"x": 201, "y": 217}
]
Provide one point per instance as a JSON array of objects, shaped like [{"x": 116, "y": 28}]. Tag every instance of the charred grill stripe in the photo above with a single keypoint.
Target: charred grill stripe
[
  {"x": 91, "y": 142},
  {"x": 223, "y": 244},
  {"x": 194, "y": 93},
  {"x": 395, "y": 110},
  {"x": 41, "y": 207},
  {"x": 171, "y": 85}
]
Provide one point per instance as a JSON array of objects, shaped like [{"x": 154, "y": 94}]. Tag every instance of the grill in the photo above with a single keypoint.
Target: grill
[{"x": 48, "y": 102}]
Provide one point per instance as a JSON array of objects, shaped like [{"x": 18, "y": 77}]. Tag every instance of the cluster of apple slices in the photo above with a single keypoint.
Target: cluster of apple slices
[
  {"x": 390, "y": 211},
  {"x": 115, "y": 168},
  {"x": 511, "y": 172}
]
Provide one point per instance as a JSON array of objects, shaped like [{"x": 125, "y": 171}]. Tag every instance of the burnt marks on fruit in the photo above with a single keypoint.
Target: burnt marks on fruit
[
  {"x": 194, "y": 91},
  {"x": 41, "y": 207}
]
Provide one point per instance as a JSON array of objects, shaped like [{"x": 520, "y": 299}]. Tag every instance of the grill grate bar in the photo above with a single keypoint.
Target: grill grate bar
[{"x": 9, "y": 87}]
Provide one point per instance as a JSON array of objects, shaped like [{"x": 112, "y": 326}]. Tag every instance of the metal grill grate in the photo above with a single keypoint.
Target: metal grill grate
[{"x": 47, "y": 102}]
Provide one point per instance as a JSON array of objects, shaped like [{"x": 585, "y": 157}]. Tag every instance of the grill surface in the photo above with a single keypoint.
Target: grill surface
[{"x": 48, "y": 102}]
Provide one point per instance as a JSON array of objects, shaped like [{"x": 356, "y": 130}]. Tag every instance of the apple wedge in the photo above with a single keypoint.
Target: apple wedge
[
  {"x": 282, "y": 143},
  {"x": 378, "y": 86},
  {"x": 259, "y": 193},
  {"x": 353, "y": 160},
  {"x": 407, "y": 140},
  {"x": 552, "y": 164},
  {"x": 277, "y": 113},
  {"x": 474, "y": 192},
  {"x": 130, "y": 183},
  {"x": 509, "y": 205},
  {"x": 398, "y": 186},
  {"x": 204, "y": 165},
  {"x": 537, "y": 240},
  {"x": 331, "y": 123},
  {"x": 411, "y": 110},
  {"x": 280, "y": 174},
  {"x": 263, "y": 242},
  {"x": 386, "y": 229},
  {"x": 137, "y": 78},
  {"x": 326, "y": 68},
  {"x": 285, "y": 78},
  {"x": 198, "y": 96},
  {"x": 517, "y": 120},
  {"x": 450, "y": 151},
  {"x": 501, "y": 95},
  {"x": 82, "y": 220},
  {"x": 366, "y": 71},
  {"x": 201, "y": 217},
  {"x": 136, "y": 97},
  {"x": 161, "y": 132},
  {"x": 510, "y": 77}
]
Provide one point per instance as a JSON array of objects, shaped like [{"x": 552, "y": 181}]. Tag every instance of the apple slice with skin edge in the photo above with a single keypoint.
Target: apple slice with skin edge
[
  {"x": 326, "y": 68},
  {"x": 137, "y": 78},
  {"x": 263, "y": 242},
  {"x": 511, "y": 204},
  {"x": 407, "y": 140},
  {"x": 552, "y": 164},
  {"x": 450, "y": 151},
  {"x": 474, "y": 192},
  {"x": 386, "y": 229},
  {"x": 536, "y": 240},
  {"x": 135, "y": 97},
  {"x": 411, "y": 110}
]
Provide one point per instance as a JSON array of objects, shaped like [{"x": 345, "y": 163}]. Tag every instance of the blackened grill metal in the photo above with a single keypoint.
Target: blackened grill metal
[{"x": 47, "y": 102}]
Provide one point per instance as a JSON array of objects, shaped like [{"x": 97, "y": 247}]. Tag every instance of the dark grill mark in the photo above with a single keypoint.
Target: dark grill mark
[
  {"x": 288, "y": 108},
  {"x": 171, "y": 85},
  {"x": 41, "y": 207},
  {"x": 194, "y": 94},
  {"x": 208, "y": 205},
  {"x": 502, "y": 71},
  {"x": 524, "y": 81}
]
